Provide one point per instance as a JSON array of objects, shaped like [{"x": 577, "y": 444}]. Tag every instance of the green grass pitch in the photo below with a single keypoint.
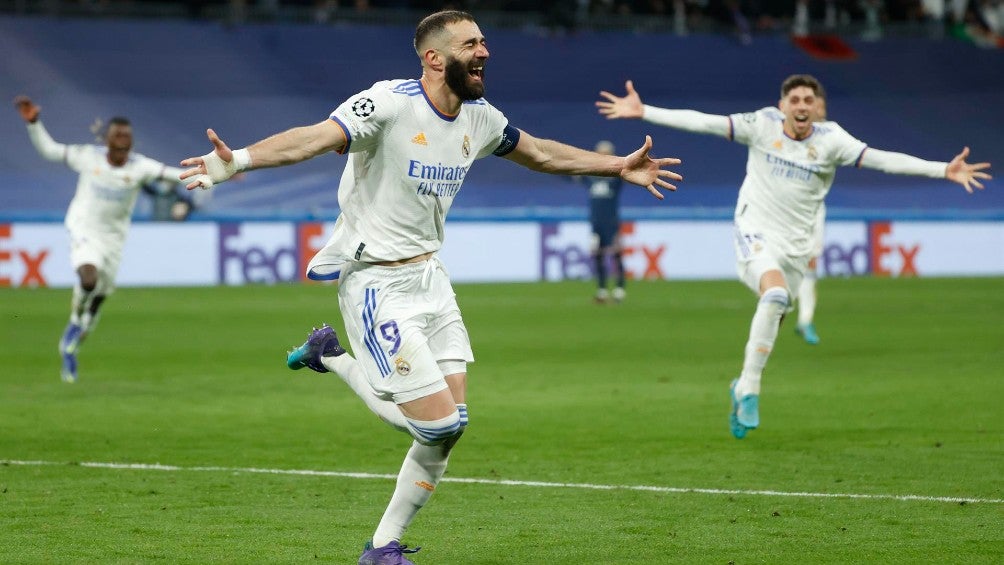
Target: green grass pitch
[{"x": 903, "y": 398}]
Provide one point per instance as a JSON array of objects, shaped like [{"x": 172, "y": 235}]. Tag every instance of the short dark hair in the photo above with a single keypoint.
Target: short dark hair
[
  {"x": 100, "y": 129},
  {"x": 794, "y": 81},
  {"x": 436, "y": 23}
]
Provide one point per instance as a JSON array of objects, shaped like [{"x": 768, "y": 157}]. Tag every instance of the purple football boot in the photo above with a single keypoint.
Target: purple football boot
[
  {"x": 390, "y": 554},
  {"x": 321, "y": 342}
]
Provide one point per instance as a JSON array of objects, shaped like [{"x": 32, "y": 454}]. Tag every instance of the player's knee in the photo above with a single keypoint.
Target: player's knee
[
  {"x": 452, "y": 440},
  {"x": 439, "y": 431},
  {"x": 88, "y": 277},
  {"x": 776, "y": 298}
]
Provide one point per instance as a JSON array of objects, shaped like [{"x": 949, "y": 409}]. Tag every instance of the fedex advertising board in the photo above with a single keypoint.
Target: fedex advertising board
[
  {"x": 651, "y": 250},
  {"x": 169, "y": 254},
  {"x": 203, "y": 253},
  {"x": 492, "y": 251},
  {"x": 263, "y": 253},
  {"x": 35, "y": 255},
  {"x": 936, "y": 248}
]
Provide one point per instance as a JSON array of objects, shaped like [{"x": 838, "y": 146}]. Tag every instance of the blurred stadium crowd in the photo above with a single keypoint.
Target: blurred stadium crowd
[
  {"x": 277, "y": 55},
  {"x": 981, "y": 21}
]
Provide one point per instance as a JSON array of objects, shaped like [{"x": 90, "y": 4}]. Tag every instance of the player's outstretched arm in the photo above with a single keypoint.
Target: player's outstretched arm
[
  {"x": 958, "y": 170},
  {"x": 617, "y": 107},
  {"x": 48, "y": 148},
  {"x": 966, "y": 174},
  {"x": 631, "y": 106},
  {"x": 286, "y": 148},
  {"x": 548, "y": 156}
]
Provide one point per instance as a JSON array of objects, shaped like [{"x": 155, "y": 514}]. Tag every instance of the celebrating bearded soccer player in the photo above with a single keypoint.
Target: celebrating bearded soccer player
[{"x": 411, "y": 144}]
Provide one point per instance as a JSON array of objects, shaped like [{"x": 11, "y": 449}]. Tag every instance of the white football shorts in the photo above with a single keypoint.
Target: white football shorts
[
  {"x": 101, "y": 249},
  {"x": 755, "y": 256},
  {"x": 402, "y": 322}
]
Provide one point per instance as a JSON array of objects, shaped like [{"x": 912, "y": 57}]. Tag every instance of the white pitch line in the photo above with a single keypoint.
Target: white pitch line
[{"x": 514, "y": 483}]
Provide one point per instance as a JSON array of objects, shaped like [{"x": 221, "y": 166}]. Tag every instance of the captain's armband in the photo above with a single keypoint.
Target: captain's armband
[{"x": 510, "y": 139}]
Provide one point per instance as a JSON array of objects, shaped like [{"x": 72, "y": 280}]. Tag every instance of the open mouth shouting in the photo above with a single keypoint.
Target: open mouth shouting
[
  {"x": 467, "y": 80},
  {"x": 801, "y": 123},
  {"x": 477, "y": 72}
]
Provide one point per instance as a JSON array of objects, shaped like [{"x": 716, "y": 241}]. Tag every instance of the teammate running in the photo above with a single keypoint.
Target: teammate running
[
  {"x": 791, "y": 165},
  {"x": 98, "y": 217}
]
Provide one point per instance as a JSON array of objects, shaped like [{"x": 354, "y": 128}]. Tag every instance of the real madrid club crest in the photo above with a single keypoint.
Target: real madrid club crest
[
  {"x": 812, "y": 152},
  {"x": 402, "y": 366},
  {"x": 466, "y": 147},
  {"x": 363, "y": 107}
]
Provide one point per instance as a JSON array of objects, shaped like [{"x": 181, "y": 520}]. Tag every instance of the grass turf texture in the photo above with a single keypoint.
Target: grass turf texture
[{"x": 902, "y": 397}]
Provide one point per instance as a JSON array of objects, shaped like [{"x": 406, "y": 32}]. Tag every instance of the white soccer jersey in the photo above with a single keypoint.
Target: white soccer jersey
[
  {"x": 408, "y": 161},
  {"x": 786, "y": 179},
  {"x": 106, "y": 194}
]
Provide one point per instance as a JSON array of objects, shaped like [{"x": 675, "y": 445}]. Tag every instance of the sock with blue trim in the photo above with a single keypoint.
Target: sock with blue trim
[
  {"x": 421, "y": 471},
  {"x": 763, "y": 332}
]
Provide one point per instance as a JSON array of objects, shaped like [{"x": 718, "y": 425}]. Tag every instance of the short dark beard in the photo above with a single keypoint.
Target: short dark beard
[{"x": 457, "y": 79}]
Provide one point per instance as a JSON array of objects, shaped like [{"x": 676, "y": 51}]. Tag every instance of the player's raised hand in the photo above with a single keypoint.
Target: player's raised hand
[
  {"x": 966, "y": 173},
  {"x": 643, "y": 170},
  {"x": 627, "y": 106},
  {"x": 28, "y": 109},
  {"x": 211, "y": 168}
]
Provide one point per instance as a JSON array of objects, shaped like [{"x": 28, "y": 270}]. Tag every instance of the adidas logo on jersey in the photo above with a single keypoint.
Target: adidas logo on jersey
[{"x": 420, "y": 139}]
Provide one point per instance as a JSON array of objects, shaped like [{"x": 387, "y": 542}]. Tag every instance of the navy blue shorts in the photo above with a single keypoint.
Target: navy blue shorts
[{"x": 606, "y": 233}]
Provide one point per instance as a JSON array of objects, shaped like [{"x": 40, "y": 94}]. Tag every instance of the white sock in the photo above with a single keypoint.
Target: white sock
[
  {"x": 348, "y": 369},
  {"x": 763, "y": 332},
  {"x": 79, "y": 304},
  {"x": 422, "y": 469},
  {"x": 807, "y": 299},
  {"x": 88, "y": 322}
]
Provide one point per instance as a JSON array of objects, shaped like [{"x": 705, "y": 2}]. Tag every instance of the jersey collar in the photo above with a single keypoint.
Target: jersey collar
[
  {"x": 806, "y": 138},
  {"x": 436, "y": 110}
]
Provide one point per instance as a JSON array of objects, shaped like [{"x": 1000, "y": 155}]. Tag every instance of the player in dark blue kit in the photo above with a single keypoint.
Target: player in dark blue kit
[{"x": 605, "y": 218}]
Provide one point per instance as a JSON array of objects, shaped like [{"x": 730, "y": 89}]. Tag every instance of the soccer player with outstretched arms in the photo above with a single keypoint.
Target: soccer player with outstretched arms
[
  {"x": 791, "y": 165},
  {"x": 98, "y": 219},
  {"x": 410, "y": 143}
]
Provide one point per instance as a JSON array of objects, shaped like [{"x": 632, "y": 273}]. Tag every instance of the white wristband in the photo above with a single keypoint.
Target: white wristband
[{"x": 242, "y": 159}]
